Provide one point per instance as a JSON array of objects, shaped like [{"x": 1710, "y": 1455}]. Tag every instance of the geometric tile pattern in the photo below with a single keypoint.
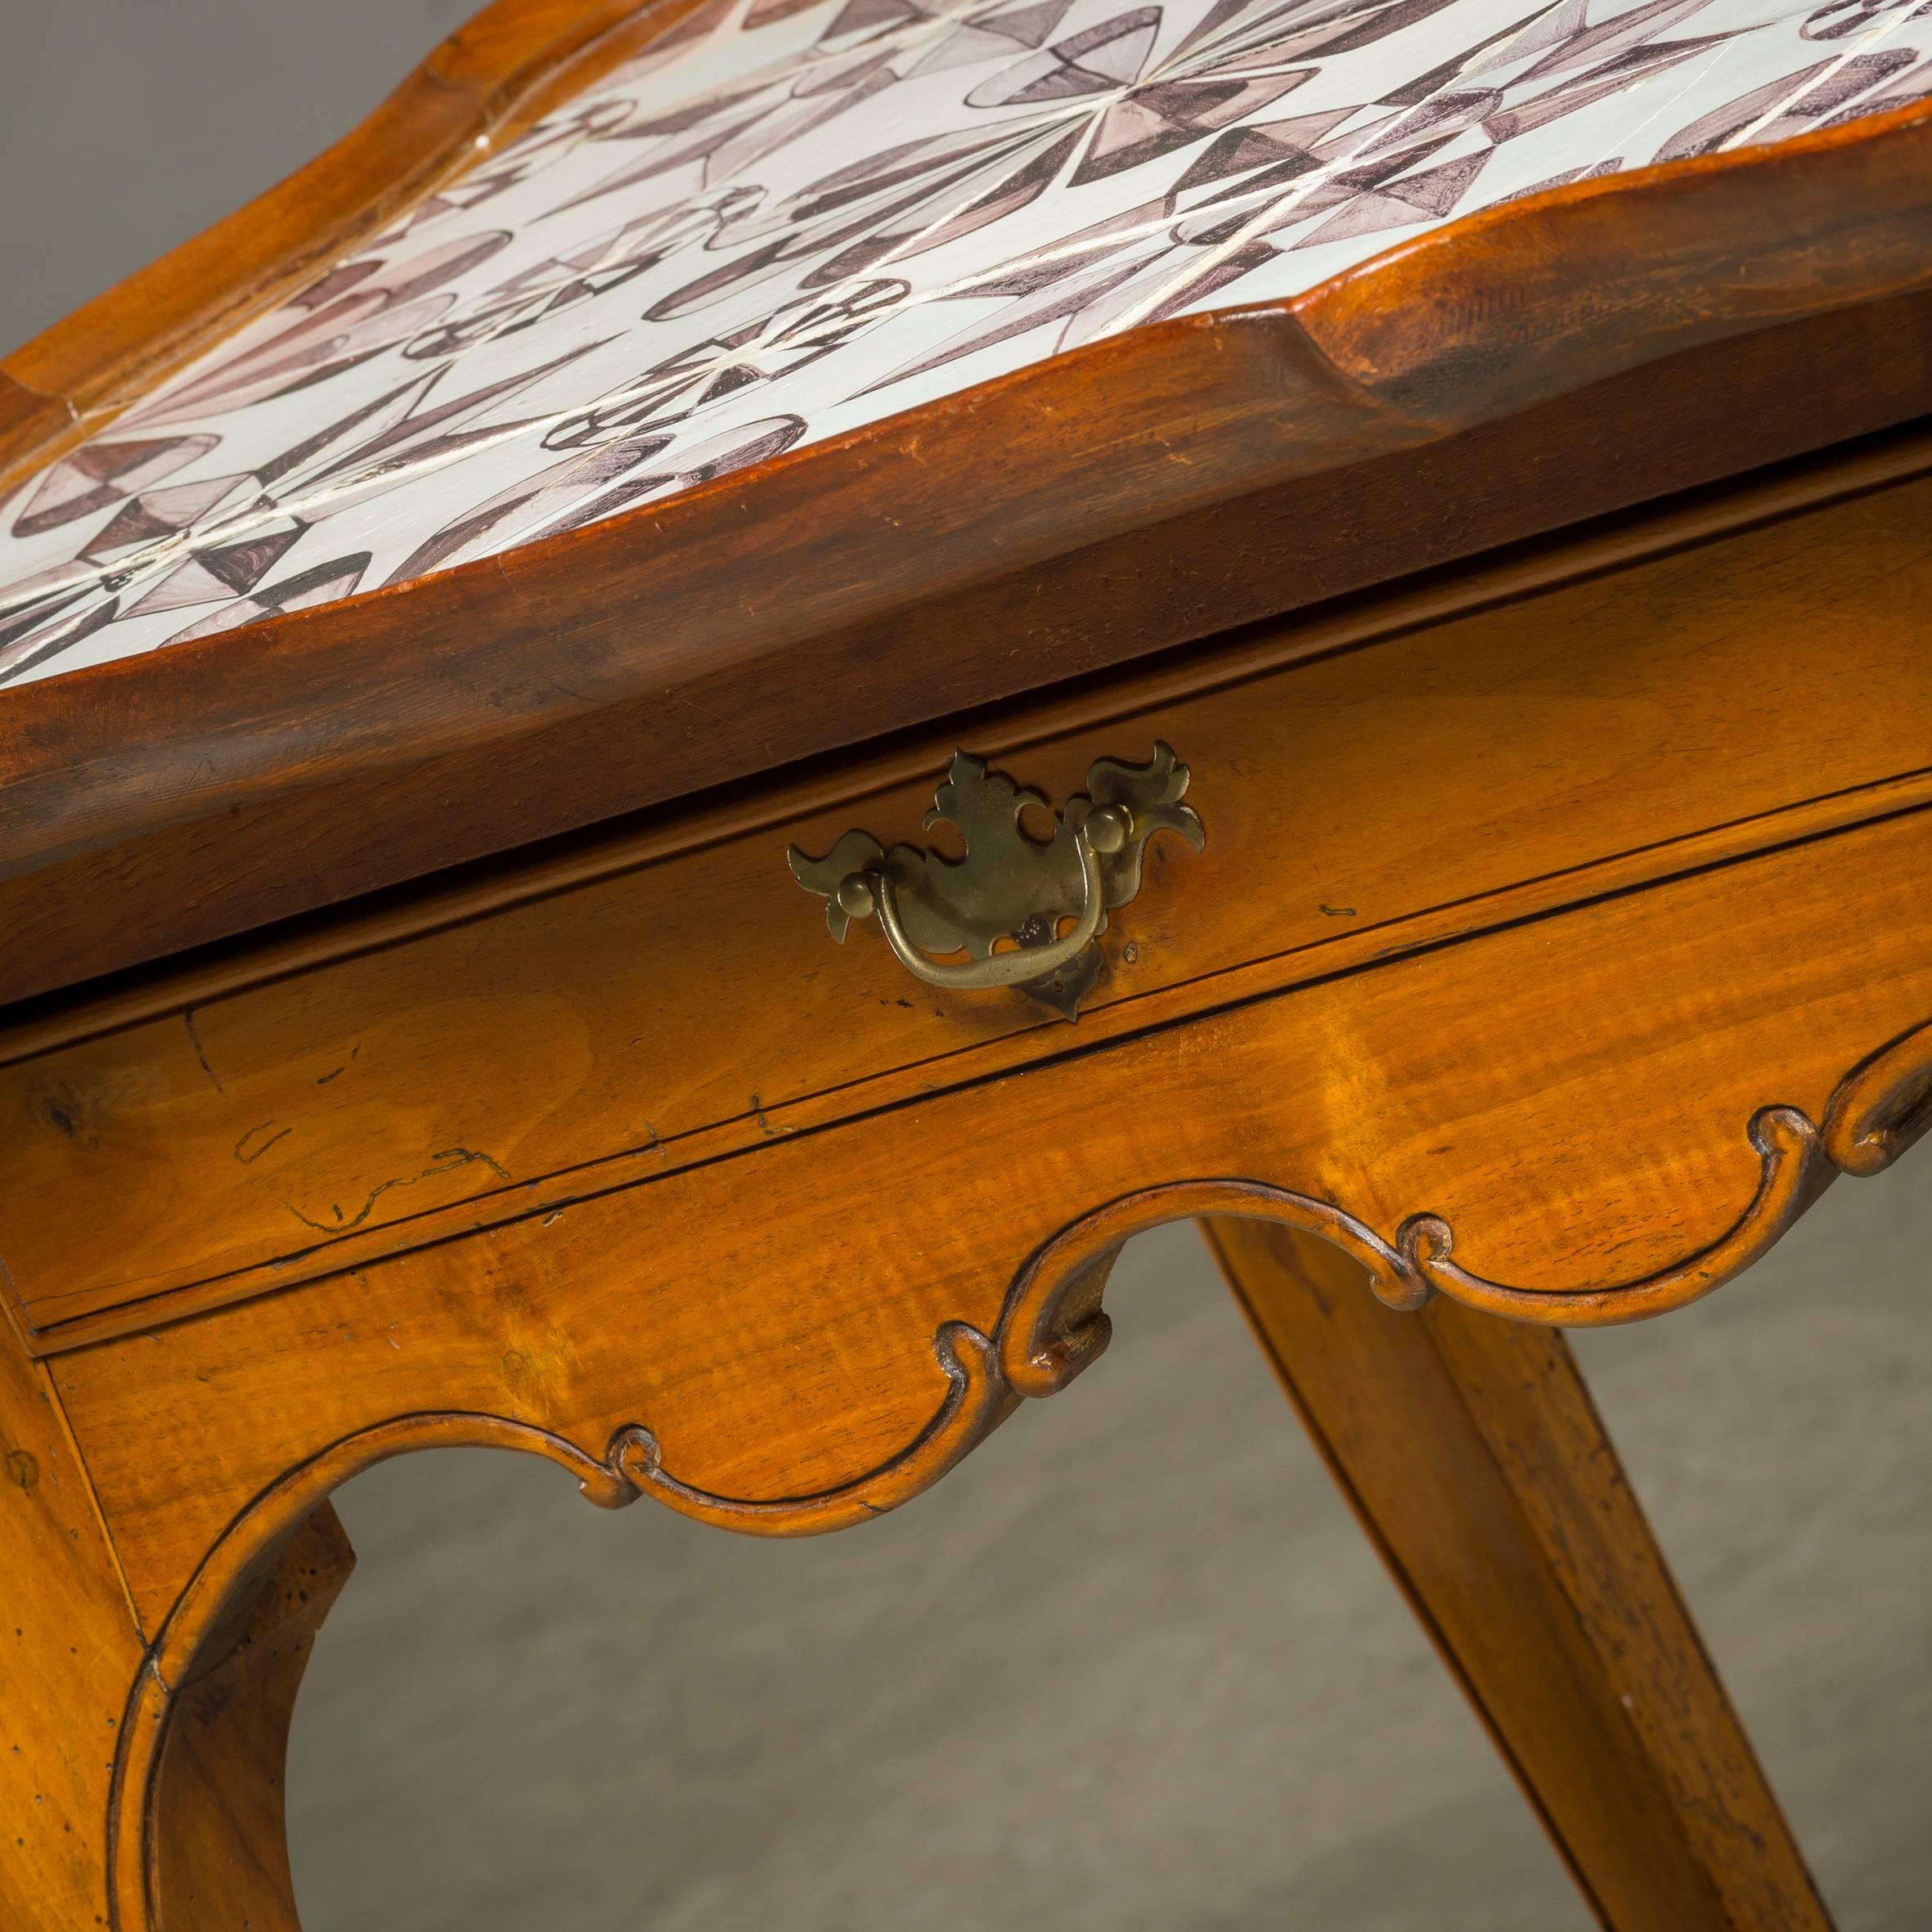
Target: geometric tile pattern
[{"x": 795, "y": 217}]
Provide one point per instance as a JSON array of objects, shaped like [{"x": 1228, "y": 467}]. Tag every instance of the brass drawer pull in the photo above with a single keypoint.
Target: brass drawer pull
[
  {"x": 1008, "y": 886},
  {"x": 1012, "y": 968}
]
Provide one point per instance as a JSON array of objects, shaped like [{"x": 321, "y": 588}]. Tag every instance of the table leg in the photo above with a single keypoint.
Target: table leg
[
  {"x": 70, "y": 1651},
  {"x": 217, "y": 1840},
  {"x": 1472, "y": 1453}
]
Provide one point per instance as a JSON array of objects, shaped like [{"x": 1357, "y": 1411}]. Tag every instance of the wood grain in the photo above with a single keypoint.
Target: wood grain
[
  {"x": 1476, "y": 1462},
  {"x": 1561, "y": 933},
  {"x": 786, "y": 1346},
  {"x": 27, "y": 422},
  {"x": 69, "y": 1648},
  {"x": 248, "y": 778},
  {"x": 254, "y": 1131},
  {"x": 740, "y": 1342},
  {"x": 774, "y": 802},
  {"x": 1260, "y": 979},
  {"x": 213, "y": 1808},
  {"x": 777, "y": 1342}
]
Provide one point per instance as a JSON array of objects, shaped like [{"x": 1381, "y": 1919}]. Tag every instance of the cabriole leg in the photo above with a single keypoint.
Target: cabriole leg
[
  {"x": 69, "y": 1653},
  {"x": 218, "y": 1847},
  {"x": 1470, "y": 1451},
  {"x": 127, "y": 1801}
]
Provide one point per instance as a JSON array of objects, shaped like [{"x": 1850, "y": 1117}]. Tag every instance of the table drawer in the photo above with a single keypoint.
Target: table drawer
[{"x": 648, "y": 1005}]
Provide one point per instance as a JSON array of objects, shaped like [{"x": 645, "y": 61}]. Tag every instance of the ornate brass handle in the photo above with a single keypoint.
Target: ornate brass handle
[
  {"x": 1008, "y": 886},
  {"x": 875, "y": 890}
]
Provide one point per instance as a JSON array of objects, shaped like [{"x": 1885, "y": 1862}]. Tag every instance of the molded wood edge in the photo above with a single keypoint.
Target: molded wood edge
[
  {"x": 1503, "y": 307},
  {"x": 144, "y": 898},
  {"x": 1881, "y": 1111},
  {"x": 1052, "y": 1326},
  {"x": 28, "y": 420},
  {"x": 728, "y": 574},
  {"x": 719, "y": 603}
]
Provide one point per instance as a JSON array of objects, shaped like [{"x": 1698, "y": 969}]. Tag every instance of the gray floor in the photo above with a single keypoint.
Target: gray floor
[{"x": 1130, "y": 1667}]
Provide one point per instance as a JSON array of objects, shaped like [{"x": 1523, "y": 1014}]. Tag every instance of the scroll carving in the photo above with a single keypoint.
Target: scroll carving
[
  {"x": 1882, "y": 1106},
  {"x": 1052, "y": 1326},
  {"x": 1877, "y": 1112},
  {"x": 977, "y": 1401},
  {"x": 1792, "y": 1174}
]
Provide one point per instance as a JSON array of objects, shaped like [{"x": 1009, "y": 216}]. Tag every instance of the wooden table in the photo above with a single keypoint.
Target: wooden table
[{"x": 1473, "y": 723}]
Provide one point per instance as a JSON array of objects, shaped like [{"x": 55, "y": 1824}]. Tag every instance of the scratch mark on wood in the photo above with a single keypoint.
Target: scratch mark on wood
[
  {"x": 326, "y": 1078},
  {"x": 248, "y": 1155},
  {"x": 445, "y": 1162},
  {"x": 187, "y": 1020}
]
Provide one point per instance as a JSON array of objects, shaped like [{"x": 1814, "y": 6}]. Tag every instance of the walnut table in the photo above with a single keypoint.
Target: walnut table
[{"x": 682, "y": 730}]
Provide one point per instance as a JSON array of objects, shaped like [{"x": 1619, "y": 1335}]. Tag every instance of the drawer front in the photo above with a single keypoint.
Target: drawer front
[
  {"x": 771, "y": 1320},
  {"x": 606, "y": 1026}
]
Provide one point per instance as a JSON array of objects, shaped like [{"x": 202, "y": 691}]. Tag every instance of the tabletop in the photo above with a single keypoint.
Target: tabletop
[{"x": 811, "y": 368}]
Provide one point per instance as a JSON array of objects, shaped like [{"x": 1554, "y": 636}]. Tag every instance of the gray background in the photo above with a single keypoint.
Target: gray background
[
  {"x": 127, "y": 126},
  {"x": 1133, "y": 1666}
]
